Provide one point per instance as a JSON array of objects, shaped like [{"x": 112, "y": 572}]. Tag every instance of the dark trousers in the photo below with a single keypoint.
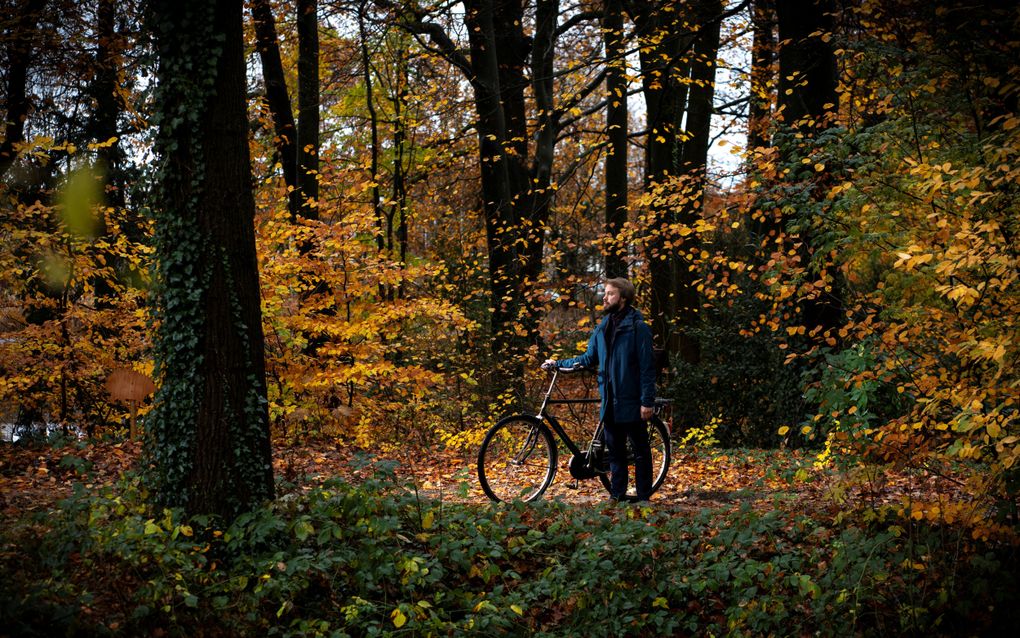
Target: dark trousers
[{"x": 616, "y": 444}]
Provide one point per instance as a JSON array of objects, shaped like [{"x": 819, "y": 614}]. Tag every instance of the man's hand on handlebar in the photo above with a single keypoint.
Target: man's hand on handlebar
[{"x": 550, "y": 364}]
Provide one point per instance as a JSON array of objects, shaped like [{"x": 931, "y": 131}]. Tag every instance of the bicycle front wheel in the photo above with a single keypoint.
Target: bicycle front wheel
[
  {"x": 658, "y": 439},
  {"x": 517, "y": 459}
]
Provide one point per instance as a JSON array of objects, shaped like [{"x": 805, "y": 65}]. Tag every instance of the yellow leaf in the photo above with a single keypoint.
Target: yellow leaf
[
  {"x": 783, "y": 430},
  {"x": 398, "y": 618},
  {"x": 517, "y": 610},
  {"x": 428, "y": 520}
]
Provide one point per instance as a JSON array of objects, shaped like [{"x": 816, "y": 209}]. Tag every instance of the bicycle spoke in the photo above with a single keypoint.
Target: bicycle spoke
[{"x": 516, "y": 460}]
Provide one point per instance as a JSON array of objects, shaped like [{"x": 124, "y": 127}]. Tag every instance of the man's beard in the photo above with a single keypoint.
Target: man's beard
[{"x": 613, "y": 307}]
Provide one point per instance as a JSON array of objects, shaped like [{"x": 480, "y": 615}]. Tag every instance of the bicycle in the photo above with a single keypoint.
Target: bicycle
[{"x": 519, "y": 457}]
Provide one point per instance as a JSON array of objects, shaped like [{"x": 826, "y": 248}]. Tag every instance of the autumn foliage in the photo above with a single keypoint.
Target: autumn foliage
[
  {"x": 846, "y": 292},
  {"x": 860, "y": 268}
]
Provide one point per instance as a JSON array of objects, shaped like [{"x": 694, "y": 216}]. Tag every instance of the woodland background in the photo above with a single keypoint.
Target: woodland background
[{"x": 324, "y": 227}]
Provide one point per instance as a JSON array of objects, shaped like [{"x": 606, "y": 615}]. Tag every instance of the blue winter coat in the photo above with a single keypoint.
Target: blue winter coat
[{"x": 629, "y": 367}]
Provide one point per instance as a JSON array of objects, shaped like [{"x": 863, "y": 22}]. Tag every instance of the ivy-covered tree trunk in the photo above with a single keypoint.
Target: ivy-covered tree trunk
[{"x": 208, "y": 436}]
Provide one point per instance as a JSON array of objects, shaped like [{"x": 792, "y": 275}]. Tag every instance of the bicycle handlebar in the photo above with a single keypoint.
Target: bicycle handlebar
[{"x": 552, "y": 367}]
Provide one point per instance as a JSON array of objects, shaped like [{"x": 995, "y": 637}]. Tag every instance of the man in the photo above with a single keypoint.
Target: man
[{"x": 621, "y": 346}]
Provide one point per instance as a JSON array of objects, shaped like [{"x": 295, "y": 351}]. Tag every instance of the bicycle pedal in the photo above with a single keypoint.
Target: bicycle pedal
[{"x": 573, "y": 486}]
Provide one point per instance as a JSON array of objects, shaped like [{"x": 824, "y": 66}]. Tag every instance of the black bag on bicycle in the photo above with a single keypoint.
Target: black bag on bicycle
[{"x": 593, "y": 462}]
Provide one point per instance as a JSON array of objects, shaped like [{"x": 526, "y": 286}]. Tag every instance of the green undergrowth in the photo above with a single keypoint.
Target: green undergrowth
[{"x": 374, "y": 558}]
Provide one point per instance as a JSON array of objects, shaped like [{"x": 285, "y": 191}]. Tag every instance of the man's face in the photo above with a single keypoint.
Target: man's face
[{"x": 611, "y": 301}]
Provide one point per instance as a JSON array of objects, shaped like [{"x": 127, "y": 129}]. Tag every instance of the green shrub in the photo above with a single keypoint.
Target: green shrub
[
  {"x": 375, "y": 559},
  {"x": 853, "y": 390},
  {"x": 741, "y": 380}
]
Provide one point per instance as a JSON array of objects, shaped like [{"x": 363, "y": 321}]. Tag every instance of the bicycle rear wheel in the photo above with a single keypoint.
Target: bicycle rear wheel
[
  {"x": 517, "y": 459},
  {"x": 658, "y": 439}
]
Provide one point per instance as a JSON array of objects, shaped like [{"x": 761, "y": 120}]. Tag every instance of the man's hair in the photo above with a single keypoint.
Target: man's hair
[{"x": 624, "y": 286}]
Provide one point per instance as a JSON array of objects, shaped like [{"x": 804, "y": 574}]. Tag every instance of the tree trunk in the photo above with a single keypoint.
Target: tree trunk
[
  {"x": 277, "y": 99},
  {"x": 693, "y": 163},
  {"x": 516, "y": 194},
  {"x": 665, "y": 41},
  {"x": 808, "y": 78},
  {"x": 103, "y": 124},
  {"x": 308, "y": 107},
  {"x": 763, "y": 53},
  {"x": 373, "y": 127},
  {"x": 19, "y": 54},
  {"x": 398, "y": 209},
  {"x": 209, "y": 433},
  {"x": 505, "y": 264},
  {"x": 616, "y": 169},
  {"x": 101, "y": 128},
  {"x": 807, "y": 64},
  {"x": 538, "y": 192}
]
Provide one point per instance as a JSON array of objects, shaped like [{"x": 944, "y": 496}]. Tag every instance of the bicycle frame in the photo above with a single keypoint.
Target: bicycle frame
[{"x": 544, "y": 416}]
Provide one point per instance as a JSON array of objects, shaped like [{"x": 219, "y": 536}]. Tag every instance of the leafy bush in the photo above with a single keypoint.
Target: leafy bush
[
  {"x": 375, "y": 559},
  {"x": 741, "y": 379},
  {"x": 854, "y": 390}
]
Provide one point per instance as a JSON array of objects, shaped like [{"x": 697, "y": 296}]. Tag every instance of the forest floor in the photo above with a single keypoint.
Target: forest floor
[{"x": 34, "y": 478}]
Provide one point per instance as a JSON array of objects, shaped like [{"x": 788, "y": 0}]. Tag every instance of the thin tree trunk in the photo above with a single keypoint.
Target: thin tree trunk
[
  {"x": 278, "y": 99},
  {"x": 399, "y": 209},
  {"x": 19, "y": 55},
  {"x": 373, "y": 124},
  {"x": 616, "y": 168},
  {"x": 102, "y": 128},
  {"x": 108, "y": 103},
  {"x": 692, "y": 168},
  {"x": 308, "y": 107},
  {"x": 663, "y": 62},
  {"x": 763, "y": 53}
]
